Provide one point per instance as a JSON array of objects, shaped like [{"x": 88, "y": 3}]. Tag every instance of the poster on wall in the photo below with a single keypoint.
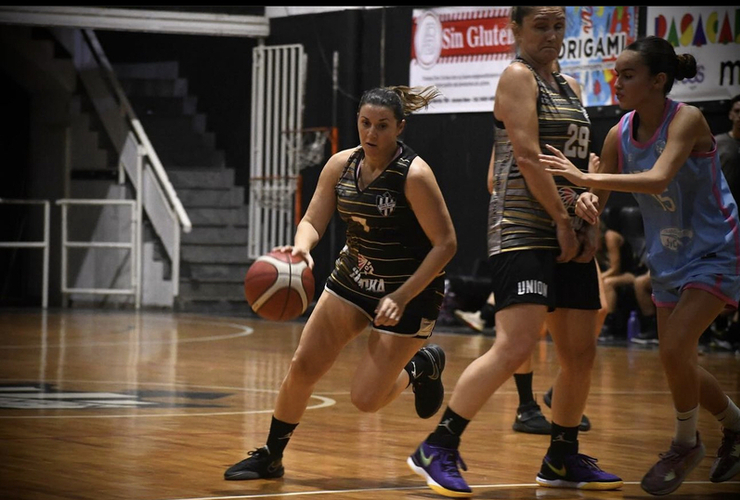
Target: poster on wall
[
  {"x": 594, "y": 37},
  {"x": 463, "y": 51},
  {"x": 712, "y": 36}
]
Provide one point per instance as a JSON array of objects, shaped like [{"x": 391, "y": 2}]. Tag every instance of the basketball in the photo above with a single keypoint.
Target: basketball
[{"x": 279, "y": 286}]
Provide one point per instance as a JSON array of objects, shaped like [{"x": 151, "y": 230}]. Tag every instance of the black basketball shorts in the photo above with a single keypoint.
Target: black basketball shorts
[
  {"x": 534, "y": 277},
  {"x": 419, "y": 316}
]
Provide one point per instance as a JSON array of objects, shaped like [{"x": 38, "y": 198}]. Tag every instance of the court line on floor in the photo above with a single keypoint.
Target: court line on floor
[
  {"x": 324, "y": 402},
  {"x": 400, "y": 488},
  {"x": 242, "y": 331}
]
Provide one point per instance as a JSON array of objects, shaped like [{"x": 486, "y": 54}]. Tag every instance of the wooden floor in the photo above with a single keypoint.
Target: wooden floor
[{"x": 155, "y": 406}]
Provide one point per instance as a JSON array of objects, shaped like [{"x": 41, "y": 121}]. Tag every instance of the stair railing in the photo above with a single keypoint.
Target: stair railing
[
  {"x": 168, "y": 215},
  {"x": 133, "y": 246}
]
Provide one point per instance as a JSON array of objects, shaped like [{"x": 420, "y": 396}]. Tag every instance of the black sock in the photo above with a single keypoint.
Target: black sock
[
  {"x": 279, "y": 436},
  {"x": 563, "y": 441},
  {"x": 548, "y": 394},
  {"x": 524, "y": 387},
  {"x": 488, "y": 315},
  {"x": 417, "y": 366},
  {"x": 449, "y": 430}
]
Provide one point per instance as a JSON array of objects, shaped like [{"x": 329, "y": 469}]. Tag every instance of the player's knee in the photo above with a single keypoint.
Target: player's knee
[
  {"x": 516, "y": 353},
  {"x": 364, "y": 401},
  {"x": 673, "y": 355},
  {"x": 580, "y": 356}
]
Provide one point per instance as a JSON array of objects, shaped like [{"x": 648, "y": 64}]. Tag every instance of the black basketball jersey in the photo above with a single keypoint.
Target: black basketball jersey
[
  {"x": 384, "y": 242},
  {"x": 516, "y": 220}
]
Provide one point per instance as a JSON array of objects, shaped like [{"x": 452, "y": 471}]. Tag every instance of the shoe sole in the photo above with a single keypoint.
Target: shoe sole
[
  {"x": 644, "y": 342},
  {"x": 469, "y": 324},
  {"x": 673, "y": 488},
  {"x": 727, "y": 475},
  {"x": 436, "y": 487},
  {"x": 529, "y": 430},
  {"x": 562, "y": 483},
  {"x": 253, "y": 475}
]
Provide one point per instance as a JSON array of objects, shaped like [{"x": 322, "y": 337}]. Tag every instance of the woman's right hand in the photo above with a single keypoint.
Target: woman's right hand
[{"x": 302, "y": 253}]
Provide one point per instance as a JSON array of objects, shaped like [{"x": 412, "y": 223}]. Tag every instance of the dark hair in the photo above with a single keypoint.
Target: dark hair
[
  {"x": 733, "y": 101},
  {"x": 659, "y": 56},
  {"x": 399, "y": 99},
  {"x": 519, "y": 12}
]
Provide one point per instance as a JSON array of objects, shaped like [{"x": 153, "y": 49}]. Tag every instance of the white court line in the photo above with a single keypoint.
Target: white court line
[
  {"x": 324, "y": 402},
  {"x": 242, "y": 331},
  {"x": 403, "y": 488}
]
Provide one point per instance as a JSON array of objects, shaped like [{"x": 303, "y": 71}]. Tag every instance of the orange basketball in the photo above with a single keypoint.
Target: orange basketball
[{"x": 279, "y": 286}]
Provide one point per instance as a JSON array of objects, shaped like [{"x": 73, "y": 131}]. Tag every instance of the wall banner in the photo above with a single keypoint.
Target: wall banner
[
  {"x": 712, "y": 36},
  {"x": 594, "y": 37},
  {"x": 463, "y": 51}
]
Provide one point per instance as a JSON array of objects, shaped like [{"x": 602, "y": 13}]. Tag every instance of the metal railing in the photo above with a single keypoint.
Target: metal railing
[
  {"x": 133, "y": 246},
  {"x": 161, "y": 203},
  {"x": 44, "y": 244},
  {"x": 278, "y": 90}
]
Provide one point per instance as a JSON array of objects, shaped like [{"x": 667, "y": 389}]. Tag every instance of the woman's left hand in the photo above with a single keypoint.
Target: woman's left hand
[
  {"x": 587, "y": 207},
  {"x": 558, "y": 164},
  {"x": 389, "y": 311}
]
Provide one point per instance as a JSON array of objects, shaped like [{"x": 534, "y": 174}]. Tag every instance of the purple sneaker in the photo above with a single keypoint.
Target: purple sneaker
[
  {"x": 439, "y": 467},
  {"x": 576, "y": 471},
  {"x": 674, "y": 465},
  {"x": 727, "y": 463}
]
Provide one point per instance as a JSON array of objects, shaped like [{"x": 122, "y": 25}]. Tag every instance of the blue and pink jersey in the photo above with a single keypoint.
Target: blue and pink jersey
[{"x": 691, "y": 229}]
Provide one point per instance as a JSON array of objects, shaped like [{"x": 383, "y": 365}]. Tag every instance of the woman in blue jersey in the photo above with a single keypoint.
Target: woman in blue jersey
[
  {"x": 541, "y": 257},
  {"x": 692, "y": 237},
  {"x": 390, "y": 275}
]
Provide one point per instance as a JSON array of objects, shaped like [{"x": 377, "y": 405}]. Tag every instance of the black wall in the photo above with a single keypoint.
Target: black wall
[
  {"x": 15, "y": 137},
  {"x": 219, "y": 73}
]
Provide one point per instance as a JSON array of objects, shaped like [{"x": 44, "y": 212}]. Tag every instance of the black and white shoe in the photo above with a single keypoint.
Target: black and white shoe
[
  {"x": 530, "y": 420},
  {"x": 427, "y": 385}
]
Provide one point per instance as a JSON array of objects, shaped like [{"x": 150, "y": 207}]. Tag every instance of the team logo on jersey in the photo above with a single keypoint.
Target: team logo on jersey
[
  {"x": 363, "y": 265},
  {"x": 659, "y": 146},
  {"x": 386, "y": 204},
  {"x": 359, "y": 275},
  {"x": 569, "y": 196},
  {"x": 674, "y": 238}
]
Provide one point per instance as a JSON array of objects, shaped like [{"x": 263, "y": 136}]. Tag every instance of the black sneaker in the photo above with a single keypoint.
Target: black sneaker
[
  {"x": 428, "y": 389},
  {"x": 258, "y": 465},
  {"x": 529, "y": 419},
  {"x": 646, "y": 337},
  {"x": 585, "y": 424}
]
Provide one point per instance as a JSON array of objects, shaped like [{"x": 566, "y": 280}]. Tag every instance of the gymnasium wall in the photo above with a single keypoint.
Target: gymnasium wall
[{"x": 374, "y": 47}]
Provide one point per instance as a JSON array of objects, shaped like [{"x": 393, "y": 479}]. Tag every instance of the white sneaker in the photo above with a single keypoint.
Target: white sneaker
[{"x": 472, "y": 319}]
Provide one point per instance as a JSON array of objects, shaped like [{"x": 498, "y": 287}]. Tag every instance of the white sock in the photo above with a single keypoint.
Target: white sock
[
  {"x": 686, "y": 427},
  {"x": 730, "y": 416}
]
